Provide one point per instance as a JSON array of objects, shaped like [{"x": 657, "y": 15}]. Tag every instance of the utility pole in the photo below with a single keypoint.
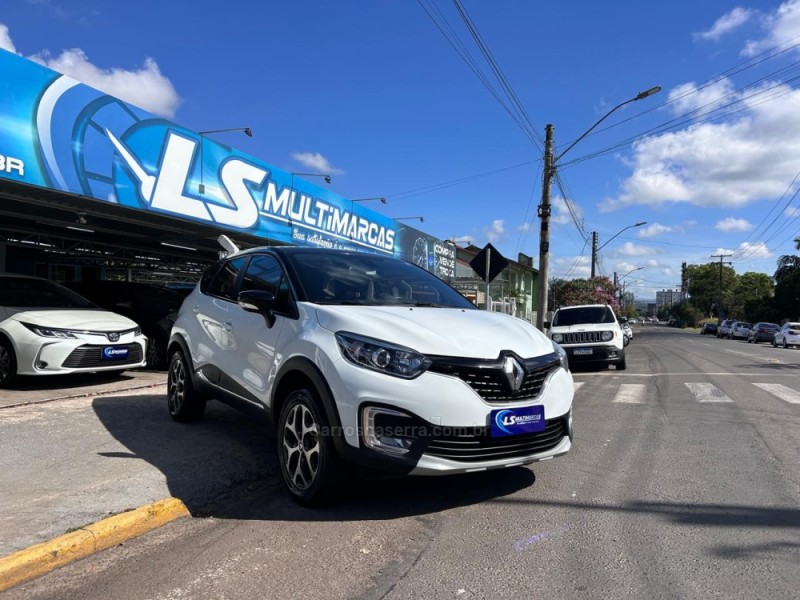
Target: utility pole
[
  {"x": 594, "y": 252},
  {"x": 619, "y": 291},
  {"x": 544, "y": 233},
  {"x": 721, "y": 262}
]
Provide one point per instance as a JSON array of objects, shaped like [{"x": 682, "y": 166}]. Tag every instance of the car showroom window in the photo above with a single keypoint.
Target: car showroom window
[
  {"x": 264, "y": 273},
  {"x": 224, "y": 284}
]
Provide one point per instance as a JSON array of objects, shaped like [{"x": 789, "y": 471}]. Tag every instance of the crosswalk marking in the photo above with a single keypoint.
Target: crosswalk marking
[
  {"x": 631, "y": 393},
  {"x": 781, "y": 391},
  {"x": 707, "y": 392}
]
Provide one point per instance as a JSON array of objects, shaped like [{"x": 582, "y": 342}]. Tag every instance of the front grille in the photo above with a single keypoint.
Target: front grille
[
  {"x": 489, "y": 379},
  {"x": 582, "y": 337},
  {"x": 86, "y": 357},
  {"x": 478, "y": 445}
]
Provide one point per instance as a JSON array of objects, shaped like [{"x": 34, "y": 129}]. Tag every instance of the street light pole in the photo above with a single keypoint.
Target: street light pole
[
  {"x": 595, "y": 249},
  {"x": 544, "y": 208}
]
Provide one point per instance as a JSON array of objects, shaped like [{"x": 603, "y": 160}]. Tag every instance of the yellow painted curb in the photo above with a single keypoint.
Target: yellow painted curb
[{"x": 42, "y": 558}]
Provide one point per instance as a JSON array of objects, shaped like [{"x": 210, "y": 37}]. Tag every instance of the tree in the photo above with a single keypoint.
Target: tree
[
  {"x": 599, "y": 290},
  {"x": 787, "y": 264},
  {"x": 704, "y": 286},
  {"x": 749, "y": 288}
]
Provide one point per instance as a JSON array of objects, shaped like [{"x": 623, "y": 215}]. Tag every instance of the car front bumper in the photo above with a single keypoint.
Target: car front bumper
[{"x": 607, "y": 353}]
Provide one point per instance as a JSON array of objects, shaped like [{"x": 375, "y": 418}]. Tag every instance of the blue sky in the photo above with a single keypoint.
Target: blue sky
[{"x": 380, "y": 95}]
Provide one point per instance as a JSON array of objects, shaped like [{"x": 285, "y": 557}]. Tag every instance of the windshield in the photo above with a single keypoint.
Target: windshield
[
  {"x": 21, "y": 292},
  {"x": 368, "y": 279},
  {"x": 582, "y": 314}
]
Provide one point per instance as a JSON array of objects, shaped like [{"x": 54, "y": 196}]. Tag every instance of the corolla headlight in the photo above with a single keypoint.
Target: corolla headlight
[
  {"x": 51, "y": 332},
  {"x": 607, "y": 336},
  {"x": 558, "y": 338},
  {"x": 382, "y": 356},
  {"x": 137, "y": 331},
  {"x": 562, "y": 355}
]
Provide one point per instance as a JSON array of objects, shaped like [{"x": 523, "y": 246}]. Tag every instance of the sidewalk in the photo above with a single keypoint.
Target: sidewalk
[
  {"x": 31, "y": 390},
  {"x": 74, "y": 454}
]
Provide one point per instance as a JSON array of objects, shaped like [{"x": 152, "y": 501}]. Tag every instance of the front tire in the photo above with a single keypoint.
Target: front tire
[
  {"x": 310, "y": 467},
  {"x": 785, "y": 345},
  {"x": 184, "y": 402},
  {"x": 156, "y": 353},
  {"x": 8, "y": 364},
  {"x": 622, "y": 364}
]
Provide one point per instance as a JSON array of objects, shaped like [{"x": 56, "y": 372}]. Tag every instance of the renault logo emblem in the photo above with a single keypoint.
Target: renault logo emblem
[
  {"x": 113, "y": 337},
  {"x": 515, "y": 373}
]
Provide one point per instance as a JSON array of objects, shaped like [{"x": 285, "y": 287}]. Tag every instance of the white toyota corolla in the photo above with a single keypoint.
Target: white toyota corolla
[{"x": 46, "y": 329}]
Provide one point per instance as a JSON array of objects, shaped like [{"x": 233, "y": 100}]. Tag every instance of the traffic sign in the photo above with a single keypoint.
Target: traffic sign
[{"x": 488, "y": 262}]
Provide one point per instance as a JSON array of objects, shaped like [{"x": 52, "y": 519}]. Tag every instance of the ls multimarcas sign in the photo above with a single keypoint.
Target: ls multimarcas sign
[{"x": 60, "y": 134}]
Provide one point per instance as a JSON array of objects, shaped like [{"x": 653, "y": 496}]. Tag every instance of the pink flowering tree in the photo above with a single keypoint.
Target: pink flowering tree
[{"x": 598, "y": 290}]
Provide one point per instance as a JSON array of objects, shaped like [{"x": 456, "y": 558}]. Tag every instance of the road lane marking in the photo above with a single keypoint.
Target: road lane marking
[
  {"x": 781, "y": 391},
  {"x": 748, "y": 355},
  {"x": 707, "y": 392},
  {"x": 631, "y": 393}
]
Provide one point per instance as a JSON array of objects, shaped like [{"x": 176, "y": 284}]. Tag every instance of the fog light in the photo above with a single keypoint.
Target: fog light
[
  {"x": 41, "y": 364},
  {"x": 387, "y": 430}
]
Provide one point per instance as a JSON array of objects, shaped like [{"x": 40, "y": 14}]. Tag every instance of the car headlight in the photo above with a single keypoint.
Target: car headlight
[
  {"x": 137, "y": 331},
  {"x": 51, "y": 332},
  {"x": 558, "y": 338},
  {"x": 607, "y": 336},
  {"x": 562, "y": 355},
  {"x": 381, "y": 356}
]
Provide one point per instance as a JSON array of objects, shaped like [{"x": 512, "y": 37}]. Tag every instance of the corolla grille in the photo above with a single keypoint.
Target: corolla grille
[
  {"x": 490, "y": 380},
  {"x": 478, "y": 445},
  {"x": 584, "y": 337},
  {"x": 87, "y": 356}
]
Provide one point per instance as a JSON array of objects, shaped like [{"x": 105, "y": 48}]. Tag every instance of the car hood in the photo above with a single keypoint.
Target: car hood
[
  {"x": 439, "y": 331},
  {"x": 89, "y": 320}
]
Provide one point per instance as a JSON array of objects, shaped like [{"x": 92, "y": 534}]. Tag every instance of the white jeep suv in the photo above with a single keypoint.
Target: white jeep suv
[
  {"x": 366, "y": 359},
  {"x": 590, "y": 333}
]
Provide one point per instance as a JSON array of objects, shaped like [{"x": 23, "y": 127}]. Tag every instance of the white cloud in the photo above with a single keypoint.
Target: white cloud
[
  {"x": 496, "y": 232},
  {"x": 782, "y": 27},
  {"x": 751, "y": 251},
  {"x": 651, "y": 263},
  {"x": 687, "y": 98},
  {"x": 317, "y": 162},
  {"x": 5, "y": 39},
  {"x": 654, "y": 230},
  {"x": 726, "y": 23},
  {"x": 624, "y": 267},
  {"x": 571, "y": 267},
  {"x": 524, "y": 228},
  {"x": 145, "y": 87},
  {"x": 561, "y": 214},
  {"x": 730, "y": 163},
  {"x": 732, "y": 224},
  {"x": 631, "y": 249}
]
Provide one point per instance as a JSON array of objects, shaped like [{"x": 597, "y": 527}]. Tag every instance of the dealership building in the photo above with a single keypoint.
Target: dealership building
[{"x": 94, "y": 188}]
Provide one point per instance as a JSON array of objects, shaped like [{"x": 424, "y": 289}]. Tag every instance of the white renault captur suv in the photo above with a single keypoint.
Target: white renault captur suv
[
  {"x": 364, "y": 359},
  {"x": 46, "y": 329}
]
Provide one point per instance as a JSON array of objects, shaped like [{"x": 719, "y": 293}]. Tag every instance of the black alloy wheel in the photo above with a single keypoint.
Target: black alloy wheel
[
  {"x": 184, "y": 402},
  {"x": 8, "y": 364}
]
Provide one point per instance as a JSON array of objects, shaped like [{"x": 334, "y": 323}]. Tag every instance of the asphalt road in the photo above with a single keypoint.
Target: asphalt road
[{"x": 684, "y": 482}]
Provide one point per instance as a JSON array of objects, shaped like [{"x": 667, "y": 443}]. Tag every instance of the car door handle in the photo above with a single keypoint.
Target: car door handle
[{"x": 228, "y": 326}]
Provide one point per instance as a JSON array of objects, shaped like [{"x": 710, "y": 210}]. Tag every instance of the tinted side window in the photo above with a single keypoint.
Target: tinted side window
[
  {"x": 264, "y": 273},
  {"x": 224, "y": 284},
  {"x": 209, "y": 274}
]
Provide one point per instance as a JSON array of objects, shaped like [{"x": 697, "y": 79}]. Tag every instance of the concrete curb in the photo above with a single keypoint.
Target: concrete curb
[{"x": 37, "y": 560}]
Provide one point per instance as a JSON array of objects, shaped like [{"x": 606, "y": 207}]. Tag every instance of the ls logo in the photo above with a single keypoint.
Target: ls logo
[{"x": 164, "y": 191}]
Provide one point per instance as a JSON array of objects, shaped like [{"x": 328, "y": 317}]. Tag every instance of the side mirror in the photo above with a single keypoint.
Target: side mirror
[
  {"x": 259, "y": 301},
  {"x": 546, "y": 324}
]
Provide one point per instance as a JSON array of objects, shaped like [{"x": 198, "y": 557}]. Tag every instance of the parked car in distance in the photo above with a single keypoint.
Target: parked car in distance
[
  {"x": 724, "y": 328},
  {"x": 47, "y": 329},
  {"x": 153, "y": 308},
  {"x": 739, "y": 330},
  {"x": 709, "y": 329},
  {"x": 762, "y": 332},
  {"x": 787, "y": 335},
  {"x": 364, "y": 359},
  {"x": 626, "y": 330}
]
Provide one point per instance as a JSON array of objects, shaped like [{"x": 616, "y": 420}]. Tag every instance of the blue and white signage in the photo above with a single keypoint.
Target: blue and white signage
[
  {"x": 514, "y": 421},
  {"x": 115, "y": 352},
  {"x": 58, "y": 133}
]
